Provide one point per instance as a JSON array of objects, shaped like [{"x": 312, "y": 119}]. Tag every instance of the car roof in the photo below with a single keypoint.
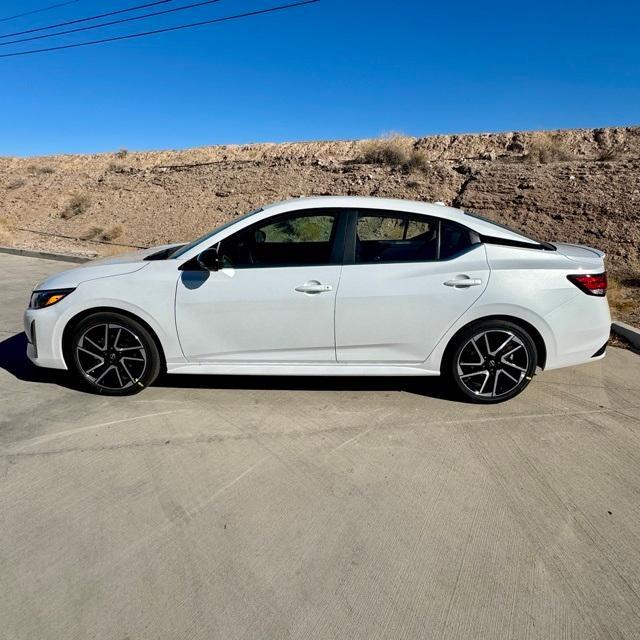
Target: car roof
[{"x": 480, "y": 225}]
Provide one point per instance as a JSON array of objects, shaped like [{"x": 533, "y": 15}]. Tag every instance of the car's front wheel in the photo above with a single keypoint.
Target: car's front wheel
[
  {"x": 113, "y": 354},
  {"x": 492, "y": 361}
]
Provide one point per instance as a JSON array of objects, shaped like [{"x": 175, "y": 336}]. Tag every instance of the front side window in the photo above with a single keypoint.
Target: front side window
[
  {"x": 399, "y": 237},
  {"x": 299, "y": 239}
]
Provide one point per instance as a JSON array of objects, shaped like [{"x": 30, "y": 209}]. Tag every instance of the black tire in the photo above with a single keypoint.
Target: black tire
[
  {"x": 483, "y": 371},
  {"x": 112, "y": 354}
]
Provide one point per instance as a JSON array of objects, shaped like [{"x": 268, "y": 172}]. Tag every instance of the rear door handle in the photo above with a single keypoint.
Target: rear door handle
[
  {"x": 463, "y": 282},
  {"x": 314, "y": 287}
]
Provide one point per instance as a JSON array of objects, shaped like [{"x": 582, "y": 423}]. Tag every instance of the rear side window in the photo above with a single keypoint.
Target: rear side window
[
  {"x": 453, "y": 240},
  {"x": 397, "y": 237}
]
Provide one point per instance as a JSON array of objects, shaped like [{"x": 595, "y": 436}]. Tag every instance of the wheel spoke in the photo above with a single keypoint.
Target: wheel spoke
[
  {"x": 503, "y": 345},
  {"x": 119, "y": 376},
  {"x": 91, "y": 353},
  {"x": 475, "y": 373},
  {"x": 512, "y": 364},
  {"x": 92, "y": 343},
  {"x": 124, "y": 366},
  {"x": 506, "y": 373},
  {"x": 484, "y": 382},
  {"x": 106, "y": 336},
  {"x": 475, "y": 346},
  {"x": 495, "y": 383},
  {"x": 115, "y": 342},
  {"x": 104, "y": 373}
]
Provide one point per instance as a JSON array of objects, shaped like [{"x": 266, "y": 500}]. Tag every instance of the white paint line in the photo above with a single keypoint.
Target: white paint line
[{"x": 70, "y": 432}]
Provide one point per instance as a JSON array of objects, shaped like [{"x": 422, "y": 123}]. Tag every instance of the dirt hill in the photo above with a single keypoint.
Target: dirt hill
[{"x": 574, "y": 185}]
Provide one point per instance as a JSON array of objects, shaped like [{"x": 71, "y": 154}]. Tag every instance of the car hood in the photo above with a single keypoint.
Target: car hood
[{"x": 102, "y": 268}]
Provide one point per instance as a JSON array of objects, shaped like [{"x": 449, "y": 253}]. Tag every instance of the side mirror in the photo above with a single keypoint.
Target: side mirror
[{"x": 209, "y": 260}]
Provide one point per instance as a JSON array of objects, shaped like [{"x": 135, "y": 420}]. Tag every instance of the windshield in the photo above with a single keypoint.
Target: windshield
[{"x": 180, "y": 251}]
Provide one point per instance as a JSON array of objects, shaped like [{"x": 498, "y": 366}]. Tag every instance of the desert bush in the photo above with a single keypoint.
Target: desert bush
[
  {"x": 78, "y": 205},
  {"x": 609, "y": 154},
  {"x": 390, "y": 151},
  {"x": 545, "y": 149},
  {"x": 620, "y": 297},
  {"x": 92, "y": 233},
  {"x": 99, "y": 233},
  {"x": 16, "y": 184},
  {"x": 394, "y": 151},
  {"x": 123, "y": 153},
  {"x": 46, "y": 170},
  {"x": 111, "y": 234}
]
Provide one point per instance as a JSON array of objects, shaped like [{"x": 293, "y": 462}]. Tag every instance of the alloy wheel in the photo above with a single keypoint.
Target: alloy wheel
[
  {"x": 493, "y": 363},
  {"x": 111, "y": 356}
]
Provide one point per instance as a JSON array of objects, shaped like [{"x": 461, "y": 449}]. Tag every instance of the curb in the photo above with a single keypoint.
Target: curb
[
  {"x": 629, "y": 333},
  {"x": 44, "y": 255}
]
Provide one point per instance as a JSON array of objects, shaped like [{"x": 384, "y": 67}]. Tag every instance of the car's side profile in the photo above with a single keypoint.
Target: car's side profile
[{"x": 330, "y": 286}]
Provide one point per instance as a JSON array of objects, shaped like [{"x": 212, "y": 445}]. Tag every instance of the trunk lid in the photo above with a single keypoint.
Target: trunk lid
[{"x": 586, "y": 257}]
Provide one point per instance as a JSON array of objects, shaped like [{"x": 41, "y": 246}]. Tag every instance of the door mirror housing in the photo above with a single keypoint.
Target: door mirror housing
[{"x": 209, "y": 260}]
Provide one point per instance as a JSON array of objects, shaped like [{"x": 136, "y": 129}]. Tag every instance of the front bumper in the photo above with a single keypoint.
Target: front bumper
[{"x": 44, "y": 335}]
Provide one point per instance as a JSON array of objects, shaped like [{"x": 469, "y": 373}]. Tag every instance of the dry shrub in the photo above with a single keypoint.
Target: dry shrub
[
  {"x": 78, "y": 205},
  {"x": 16, "y": 184},
  {"x": 44, "y": 171},
  {"x": 394, "y": 151},
  {"x": 389, "y": 150},
  {"x": 610, "y": 154},
  {"x": 547, "y": 148},
  {"x": 123, "y": 153},
  {"x": 621, "y": 298},
  {"x": 103, "y": 235},
  {"x": 92, "y": 233},
  {"x": 111, "y": 234}
]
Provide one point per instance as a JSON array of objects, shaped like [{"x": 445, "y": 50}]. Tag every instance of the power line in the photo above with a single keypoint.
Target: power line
[
  {"x": 165, "y": 30},
  {"x": 87, "y": 19},
  {"x": 30, "y": 13},
  {"x": 110, "y": 23}
]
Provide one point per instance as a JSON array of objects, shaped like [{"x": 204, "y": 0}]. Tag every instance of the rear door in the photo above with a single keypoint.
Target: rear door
[{"x": 408, "y": 279}]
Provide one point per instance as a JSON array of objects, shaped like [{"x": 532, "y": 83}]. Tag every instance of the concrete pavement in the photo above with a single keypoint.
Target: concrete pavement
[{"x": 292, "y": 508}]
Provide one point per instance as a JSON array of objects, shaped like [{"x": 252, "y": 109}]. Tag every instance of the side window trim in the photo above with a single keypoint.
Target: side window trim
[{"x": 337, "y": 240}]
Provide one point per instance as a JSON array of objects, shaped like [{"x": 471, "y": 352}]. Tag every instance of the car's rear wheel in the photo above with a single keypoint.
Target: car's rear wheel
[
  {"x": 492, "y": 361},
  {"x": 113, "y": 354}
]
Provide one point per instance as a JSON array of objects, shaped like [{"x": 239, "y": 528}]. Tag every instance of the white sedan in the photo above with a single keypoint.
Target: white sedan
[{"x": 330, "y": 286}]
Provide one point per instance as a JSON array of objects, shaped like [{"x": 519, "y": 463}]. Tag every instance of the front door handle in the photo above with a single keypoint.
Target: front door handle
[
  {"x": 313, "y": 287},
  {"x": 462, "y": 282}
]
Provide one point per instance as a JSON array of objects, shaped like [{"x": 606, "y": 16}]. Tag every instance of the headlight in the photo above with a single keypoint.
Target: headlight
[{"x": 41, "y": 299}]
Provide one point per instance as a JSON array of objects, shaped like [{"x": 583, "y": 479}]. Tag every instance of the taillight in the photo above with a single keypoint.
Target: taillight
[{"x": 593, "y": 284}]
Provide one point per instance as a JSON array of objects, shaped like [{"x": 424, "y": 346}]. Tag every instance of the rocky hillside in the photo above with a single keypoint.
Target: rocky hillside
[{"x": 575, "y": 185}]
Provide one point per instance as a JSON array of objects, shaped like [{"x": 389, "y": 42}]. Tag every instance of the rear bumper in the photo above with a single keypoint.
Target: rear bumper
[{"x": 581, "y": 328}]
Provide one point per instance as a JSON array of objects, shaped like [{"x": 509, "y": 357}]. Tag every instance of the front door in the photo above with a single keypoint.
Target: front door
[
  {"x": 273, "y": 300},
  {"x": 412, "y": 277}
]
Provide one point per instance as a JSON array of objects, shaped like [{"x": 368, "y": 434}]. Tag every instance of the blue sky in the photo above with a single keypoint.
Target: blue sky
[{"x": 333, "y": 70}]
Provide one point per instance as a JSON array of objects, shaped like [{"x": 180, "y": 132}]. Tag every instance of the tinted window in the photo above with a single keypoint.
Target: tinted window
[
  {"x": 453, "y": 240},
  {"x": 297, "y": 239},
  {"x": 390, "y": 237},
  {"x": 399, "y": 237}
]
